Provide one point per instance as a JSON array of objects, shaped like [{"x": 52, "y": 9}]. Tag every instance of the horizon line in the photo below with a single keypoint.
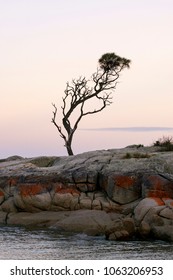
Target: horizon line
[{"x": 131, "y": 128}]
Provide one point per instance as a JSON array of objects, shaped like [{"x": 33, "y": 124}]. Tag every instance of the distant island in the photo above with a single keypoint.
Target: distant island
[{"x": 133, "y": 128}]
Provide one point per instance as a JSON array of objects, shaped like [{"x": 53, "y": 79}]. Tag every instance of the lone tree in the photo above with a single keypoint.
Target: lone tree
[{"x": 77, "y": 95}]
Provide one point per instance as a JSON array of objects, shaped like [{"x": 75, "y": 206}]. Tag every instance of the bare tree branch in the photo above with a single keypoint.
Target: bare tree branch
[{"x": 79, "y": 92}]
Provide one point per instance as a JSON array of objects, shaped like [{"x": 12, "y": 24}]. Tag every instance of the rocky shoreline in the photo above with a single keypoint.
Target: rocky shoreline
[{"x": 120, "y": 193}]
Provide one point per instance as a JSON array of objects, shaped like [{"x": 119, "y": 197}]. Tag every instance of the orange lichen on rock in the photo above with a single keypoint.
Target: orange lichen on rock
[
  {"x": 63, "y": 189},
  {"x": 1, "y": 193},
  {"x": 156, "y": 193},
  {"x": 124, "y": 181},
  {"x": 157, "y": 186},
  {"x": 159, "y": 201},
  {"x": 31, "y": 189},
  {"x": 157, "y": 181},
  {"x": 12, "y": 181}
]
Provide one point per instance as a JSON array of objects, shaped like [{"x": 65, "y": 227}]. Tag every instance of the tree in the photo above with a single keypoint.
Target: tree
[{"x": 77, "y": 94}]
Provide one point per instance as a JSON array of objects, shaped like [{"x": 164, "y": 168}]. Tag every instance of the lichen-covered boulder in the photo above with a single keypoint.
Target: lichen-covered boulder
[
  {"x": 156, "y": 185},
  {"x": 121, "y": 188},
  {"x": 86, "y": 191}
]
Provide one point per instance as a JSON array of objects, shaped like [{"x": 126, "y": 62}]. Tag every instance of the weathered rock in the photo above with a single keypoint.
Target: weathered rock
[
  {"x": 128, "y": 208},
  {"x": 120, "y": 192},
  {"x": 168, "y": 202},
  {"x": 129, "y": 225},
  {"x": 157, "y": 186},
  {"x": 40, "y": 219},
  {"x": 144, "y": 229},
  {"x": 9, "y": 205},
  {"x": 43, "y": 161},
  {"x": 121, "y": 188},
  {"x": 163, "y": 232},
  {"x": 157, "y": 223},
  {"x": 167, "y": 213},
  {"x": 86, "y": 221},
  {"x": 121, "y": 229},
  {"x": 3, "y": 217},
  {"x": 2, "y": 197},
  {"x": 119, "y": 235},
  {"x": 153, "y": 217},
  {"x": 144, "y": 206}
]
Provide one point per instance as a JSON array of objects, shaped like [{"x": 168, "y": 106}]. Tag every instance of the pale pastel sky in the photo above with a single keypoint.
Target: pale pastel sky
[{"x": 45, "y": 43}]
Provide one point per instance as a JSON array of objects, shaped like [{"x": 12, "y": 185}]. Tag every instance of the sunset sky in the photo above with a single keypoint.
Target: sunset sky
[{"x": 45, "y": 43}]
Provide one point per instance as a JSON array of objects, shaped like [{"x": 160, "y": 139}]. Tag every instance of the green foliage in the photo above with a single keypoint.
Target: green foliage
[
  {"x": 165, "y": 143},
  {"x": 111, "y": 61}
]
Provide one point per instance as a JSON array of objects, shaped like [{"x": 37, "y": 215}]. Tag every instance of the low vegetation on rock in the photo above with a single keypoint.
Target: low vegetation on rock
[
  {"x": 136, "y": 155},
  {"x": 165, "y": 143}
]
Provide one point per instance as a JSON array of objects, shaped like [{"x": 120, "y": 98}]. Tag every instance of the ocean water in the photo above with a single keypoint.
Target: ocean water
[
  {"x": 117, "y": 137},
  {"x": 18, "y": 243},
  {"x": 90, "y": 139}
]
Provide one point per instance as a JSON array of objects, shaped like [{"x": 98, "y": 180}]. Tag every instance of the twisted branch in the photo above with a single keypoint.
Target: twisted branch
[{"x": 77, "y": 94}]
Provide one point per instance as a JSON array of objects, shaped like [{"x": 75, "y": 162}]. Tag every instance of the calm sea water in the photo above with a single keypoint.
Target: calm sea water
[
  {"x": 91, "y": 140},
  {"x": 113, "y": 138},
  {"x": 21, "y": 243}
]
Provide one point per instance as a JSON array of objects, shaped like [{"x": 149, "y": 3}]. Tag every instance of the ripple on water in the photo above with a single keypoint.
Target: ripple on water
[{"x": 21, "y": 243}]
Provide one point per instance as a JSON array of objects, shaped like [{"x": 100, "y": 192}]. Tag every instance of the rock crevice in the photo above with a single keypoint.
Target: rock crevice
[{"x": 113, "y": 193}]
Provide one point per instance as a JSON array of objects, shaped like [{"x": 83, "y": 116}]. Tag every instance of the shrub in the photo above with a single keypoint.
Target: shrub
[
  {"x": 135, "y": 155},
  {"x": 165, "y": 143}
]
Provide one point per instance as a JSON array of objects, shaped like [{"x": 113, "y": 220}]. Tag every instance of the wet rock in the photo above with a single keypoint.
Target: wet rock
[
  {"x": 163, "y": 233},
  {"x": 121, "y": 229},
  {"x": 129, "y": 225},
  {"x": 3, "y": 217},
  {"x": 121, "y": 235},
  {"x": 39, "y": 219},
  {"x": 144, "y": 229}
]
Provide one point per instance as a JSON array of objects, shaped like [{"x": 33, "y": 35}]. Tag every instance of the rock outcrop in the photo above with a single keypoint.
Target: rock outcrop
[{"x": 125, "y": 193}]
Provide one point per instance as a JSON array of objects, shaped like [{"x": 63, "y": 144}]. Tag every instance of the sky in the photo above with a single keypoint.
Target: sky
[{"x": 45, "y": 44}]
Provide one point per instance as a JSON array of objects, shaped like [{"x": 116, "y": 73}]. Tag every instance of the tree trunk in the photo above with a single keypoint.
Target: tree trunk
[
  {"x": 69, "y": 150},
  {"x": 68, "y": 146}
]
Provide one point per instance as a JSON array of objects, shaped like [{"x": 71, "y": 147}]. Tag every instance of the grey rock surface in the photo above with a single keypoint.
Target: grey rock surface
[{"x": 84, "y": 192}]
